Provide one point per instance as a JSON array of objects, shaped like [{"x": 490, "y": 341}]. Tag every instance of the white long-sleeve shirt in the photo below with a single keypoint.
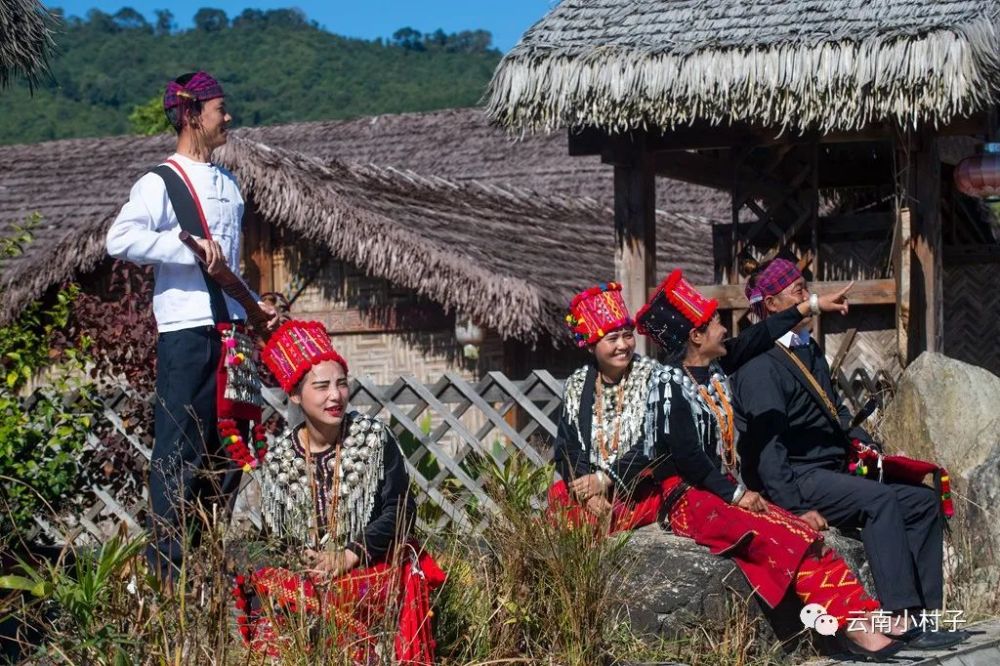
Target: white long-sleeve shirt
[{"x": 146, "y": 232}]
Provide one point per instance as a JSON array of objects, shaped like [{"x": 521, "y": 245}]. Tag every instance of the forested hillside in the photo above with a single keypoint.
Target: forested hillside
[{"x": 276, "y": 66}]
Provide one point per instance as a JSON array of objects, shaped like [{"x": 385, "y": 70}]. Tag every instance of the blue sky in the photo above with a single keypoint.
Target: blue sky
[{"x": 507, "y": 20}]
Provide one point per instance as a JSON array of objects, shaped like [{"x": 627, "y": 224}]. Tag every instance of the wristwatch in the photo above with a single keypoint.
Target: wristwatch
[{"x": 814, "y": 304}]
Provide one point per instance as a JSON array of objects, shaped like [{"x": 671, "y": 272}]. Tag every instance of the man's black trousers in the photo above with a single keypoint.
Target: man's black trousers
[
  {"x": 188, "y": 467},
  {"x": 901, "y": 526}
]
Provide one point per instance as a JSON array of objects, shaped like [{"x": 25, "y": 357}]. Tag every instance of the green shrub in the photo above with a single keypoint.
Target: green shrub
[{"x": 42, "y": 434}]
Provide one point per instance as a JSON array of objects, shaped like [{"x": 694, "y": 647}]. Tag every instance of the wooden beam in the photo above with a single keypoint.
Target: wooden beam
[
  {"x": 857, "y": 225},
  {"x": 864, "y": 292},
  {"x": 695, "y": 168},
  {"x": 586, "y": 141},
  {"x": 703, "y": 135},
  {"x": 717, "y": 172},
  {"x": 635, "y": 230}
]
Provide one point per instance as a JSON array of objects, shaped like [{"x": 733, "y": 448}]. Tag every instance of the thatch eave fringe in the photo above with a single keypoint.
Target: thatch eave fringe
[
  {"x": 25, "y": 41},
  {"x": 930, "y": 78},
  {"x": 62, "y": 263}
]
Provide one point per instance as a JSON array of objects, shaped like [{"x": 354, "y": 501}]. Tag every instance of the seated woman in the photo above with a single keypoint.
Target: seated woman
[
  {"x": 695, "y": 455},
  {"x": 336, "y": 490},
  {"x": 604, "y": 446}
]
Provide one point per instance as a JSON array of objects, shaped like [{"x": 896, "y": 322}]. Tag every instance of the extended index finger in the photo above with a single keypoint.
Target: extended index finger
[{"x": 843, "y": 292}]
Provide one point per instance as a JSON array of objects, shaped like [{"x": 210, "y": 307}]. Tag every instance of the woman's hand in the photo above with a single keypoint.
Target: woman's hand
[
  {"x": 590, "y": 485},
  {"x": 331, "y": 563},
  {"x": 815, "y": 520},
  {"x": 598, "y": 505},
  {"x": 752, "y": 501},
  {"x": 274, "y": 317}
]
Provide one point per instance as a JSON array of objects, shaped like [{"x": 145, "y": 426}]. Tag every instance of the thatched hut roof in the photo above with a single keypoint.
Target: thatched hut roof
[
  {"x": 24, "y": 40},
  {"x": 832, "y": 65},
  {"x": 507, "y": 255}
]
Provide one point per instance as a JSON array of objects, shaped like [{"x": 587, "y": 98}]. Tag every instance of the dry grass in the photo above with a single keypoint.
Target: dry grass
[{"x": 531, "y": 590}]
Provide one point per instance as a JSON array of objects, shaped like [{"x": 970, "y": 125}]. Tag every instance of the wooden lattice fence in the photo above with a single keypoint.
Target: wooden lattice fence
[{"x": 445, "y": 428}]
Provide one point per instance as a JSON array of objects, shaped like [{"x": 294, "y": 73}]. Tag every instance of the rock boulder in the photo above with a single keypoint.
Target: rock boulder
[
  {"x": 945, "y": 410},
  {"x": 949, "y": 412},
  {"x": 676, "y": 584}
]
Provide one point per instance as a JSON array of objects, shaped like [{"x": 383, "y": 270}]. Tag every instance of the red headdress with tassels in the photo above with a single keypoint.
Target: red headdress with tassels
[
  {"x": 296, "y": 347},
  {"x": 596, "y": 312}
]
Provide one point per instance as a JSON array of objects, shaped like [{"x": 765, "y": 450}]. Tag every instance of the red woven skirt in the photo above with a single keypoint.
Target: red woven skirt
[{"x": 272, "y": 601}]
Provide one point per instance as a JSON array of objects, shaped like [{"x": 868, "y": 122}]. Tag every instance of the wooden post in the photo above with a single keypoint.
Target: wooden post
[
  {"x": 901, "y": 266},
  {"x": 920, "y": 181},
  {"x": 735, "y": 206},
  {"x": 257, "y": 250},
  {"x": 928, "y": 272},
  {"x": 812, "y": 201},
  {"x": 635, "y": 227}
]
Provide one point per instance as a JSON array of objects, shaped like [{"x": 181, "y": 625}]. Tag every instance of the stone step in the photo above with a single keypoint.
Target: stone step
[{"x": 982, "y": 649}]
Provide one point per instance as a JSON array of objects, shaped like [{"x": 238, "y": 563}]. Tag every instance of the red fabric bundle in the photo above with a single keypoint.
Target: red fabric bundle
[{"x": 868, "y": 462}]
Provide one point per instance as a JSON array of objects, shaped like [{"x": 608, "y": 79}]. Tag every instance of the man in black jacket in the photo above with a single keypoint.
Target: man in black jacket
[{"x": 794, "y": 443}]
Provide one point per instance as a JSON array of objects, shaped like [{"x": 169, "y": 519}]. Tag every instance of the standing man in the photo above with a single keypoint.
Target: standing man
[
  {"x": 795, "y": 439},
  {"x": 188, "y": 465}
]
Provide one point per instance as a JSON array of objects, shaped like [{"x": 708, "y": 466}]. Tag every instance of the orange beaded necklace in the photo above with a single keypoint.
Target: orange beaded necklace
[{"x": 723, "y": 413}]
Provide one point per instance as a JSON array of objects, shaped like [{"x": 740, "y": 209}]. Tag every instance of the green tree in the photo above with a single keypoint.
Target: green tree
[
  {"x": 164, "y": 22},
  {"x": 275, "y": 65},
  {"x": 211, "y": 20},
  {"x": 41, "y": 438},
  {"x": 149, "y": 118},
  {"x": 127, "y": 18},
  {"x": 409, "y": 39}
]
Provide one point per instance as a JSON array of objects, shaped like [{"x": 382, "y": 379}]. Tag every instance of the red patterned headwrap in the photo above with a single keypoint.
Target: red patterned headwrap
[
  {"x": 772, "y": 280},
  {"x": 201, "y": 88},
  {"x": 295, "y": 348}
]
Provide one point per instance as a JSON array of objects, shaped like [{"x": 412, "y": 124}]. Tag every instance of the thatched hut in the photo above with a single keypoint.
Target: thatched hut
[
  {"x": 384, "y": 228},
  {"x": 24, "y": 41},
  {"x": 834, "y": 128}
]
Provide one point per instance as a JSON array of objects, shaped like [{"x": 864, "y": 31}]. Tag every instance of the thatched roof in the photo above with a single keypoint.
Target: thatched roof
[
  {"x": 831, "y": 65},
  {"x": 24, "y": 40},
  {"x": 508, "y": 255}
]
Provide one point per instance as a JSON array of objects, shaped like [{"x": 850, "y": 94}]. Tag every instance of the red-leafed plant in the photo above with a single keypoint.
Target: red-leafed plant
[{"x": 115, "y": 313}]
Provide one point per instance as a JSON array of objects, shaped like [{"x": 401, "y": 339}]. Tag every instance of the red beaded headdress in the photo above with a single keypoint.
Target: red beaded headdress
[
  {"x": 673, "y": 311},
  {"x": 294, "y": 348},
  {"x": 596, "y": 312}
]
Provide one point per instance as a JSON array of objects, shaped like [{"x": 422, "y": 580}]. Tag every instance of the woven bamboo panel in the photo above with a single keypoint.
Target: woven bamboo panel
[
  {"x": 972, "y": 314},
  {"x": 873, "y": 348},
  {"x": 855, "y": 260}
]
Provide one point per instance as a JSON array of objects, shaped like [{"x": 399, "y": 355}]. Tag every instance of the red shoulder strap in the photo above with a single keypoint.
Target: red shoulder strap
[{"x": 194, "y": 195}]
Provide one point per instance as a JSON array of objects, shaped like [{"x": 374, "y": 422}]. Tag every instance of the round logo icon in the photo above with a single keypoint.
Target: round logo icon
[
  {"x": 826, "y": 625},
  {"x": 809, "y": 613}
]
